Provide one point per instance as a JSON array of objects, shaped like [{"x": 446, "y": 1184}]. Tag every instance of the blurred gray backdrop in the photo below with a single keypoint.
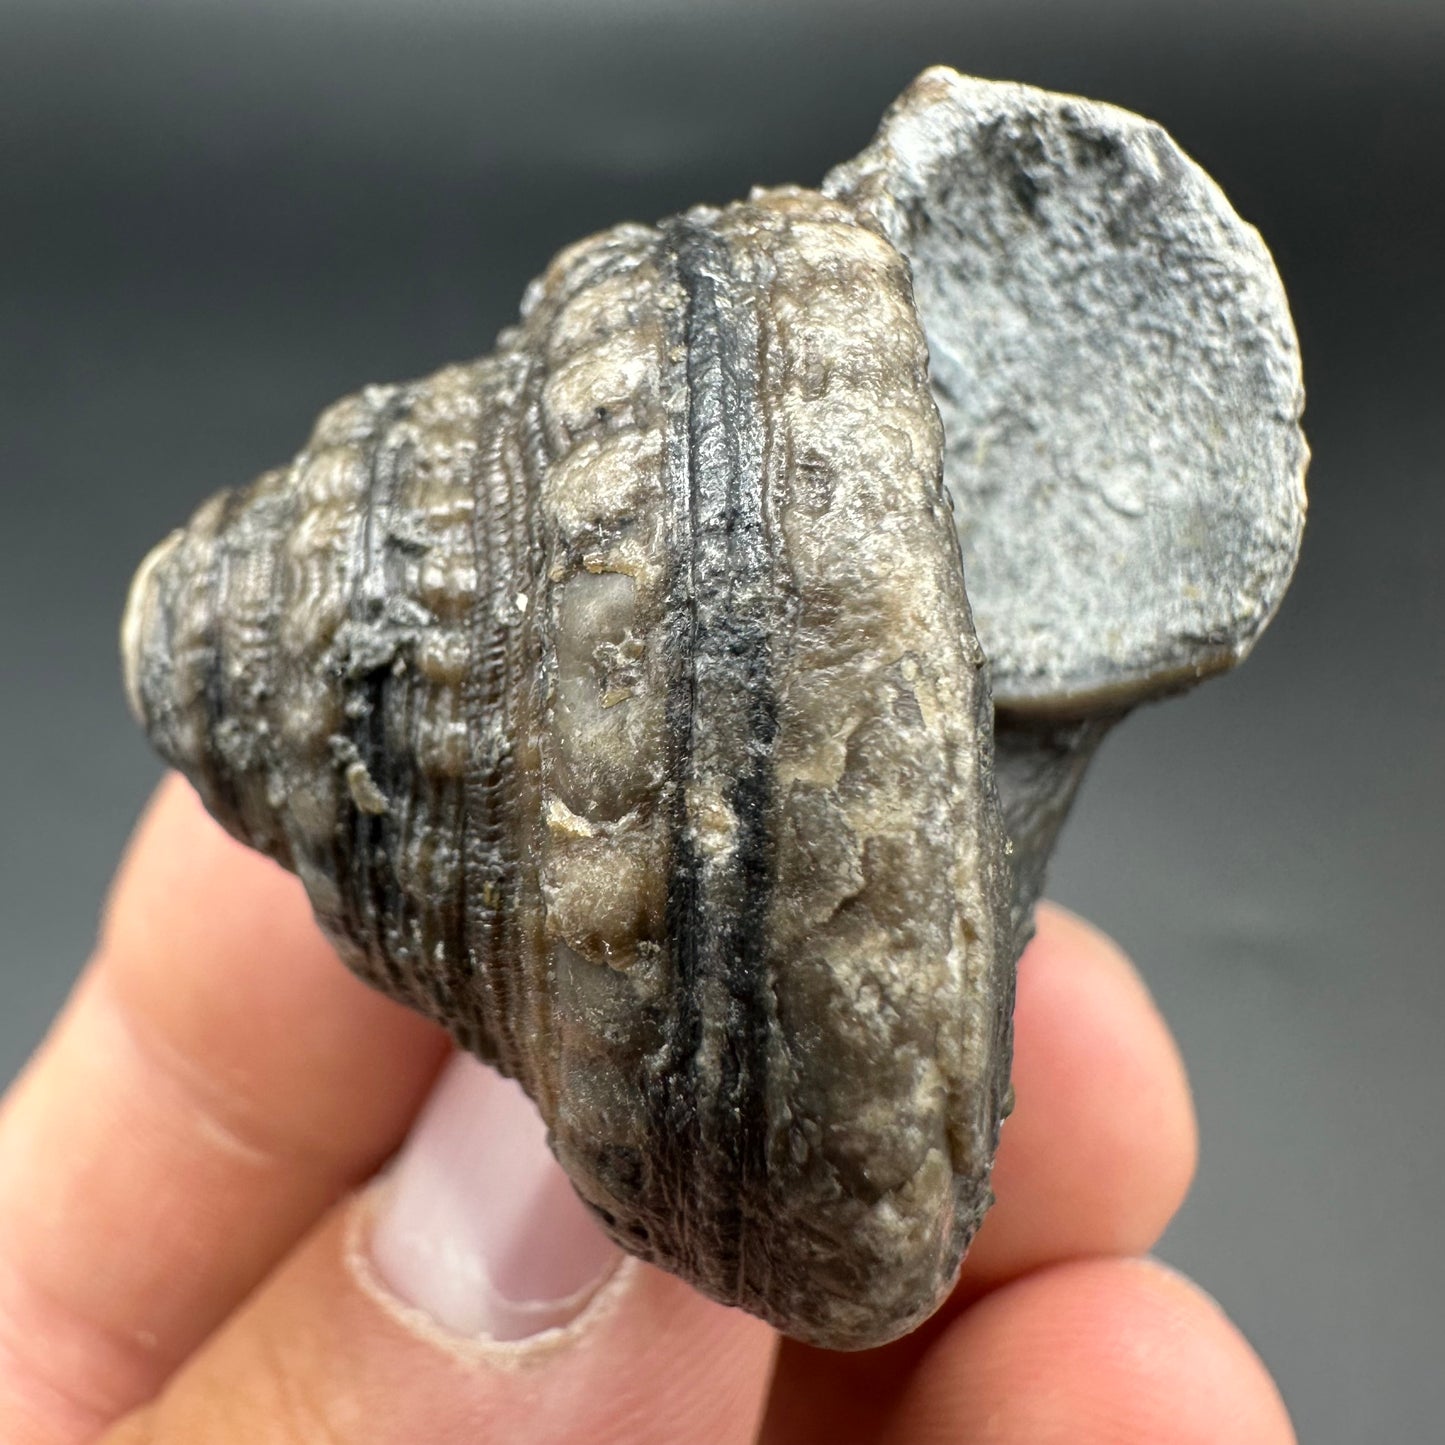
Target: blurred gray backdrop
[{"x": 215, "y": 218}]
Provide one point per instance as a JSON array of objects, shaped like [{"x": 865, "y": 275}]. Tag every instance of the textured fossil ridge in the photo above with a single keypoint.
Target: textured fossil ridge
[{"x": 618, "y": 702}]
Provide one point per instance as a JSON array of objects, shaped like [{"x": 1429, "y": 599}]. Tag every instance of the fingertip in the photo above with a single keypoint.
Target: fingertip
[
  {"x": 1125, "y": 1009},
  {"x": 1095, "y": 1160},
  {"x": 184, "y": 879},
  {"x": 1063, "y": 937},
  {"x": 1120, "y": 1351},
  {"x": 1103, "y": 1143}
]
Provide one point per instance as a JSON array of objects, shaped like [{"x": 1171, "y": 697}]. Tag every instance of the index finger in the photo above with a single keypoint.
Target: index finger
[{"x": 216, "y": 1080}]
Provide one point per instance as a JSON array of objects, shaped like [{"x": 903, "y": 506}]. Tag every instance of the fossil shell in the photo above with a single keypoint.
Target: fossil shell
[
  {"x": 610, "y": 697},
  {"x": 617, "y": 701}
]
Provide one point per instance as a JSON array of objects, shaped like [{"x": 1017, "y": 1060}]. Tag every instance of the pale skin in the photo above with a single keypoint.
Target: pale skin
[{"x": 183, "y": 1203}]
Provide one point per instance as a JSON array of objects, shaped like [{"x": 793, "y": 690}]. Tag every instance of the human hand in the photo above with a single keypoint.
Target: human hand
[{"x": 191, "y": 1250}]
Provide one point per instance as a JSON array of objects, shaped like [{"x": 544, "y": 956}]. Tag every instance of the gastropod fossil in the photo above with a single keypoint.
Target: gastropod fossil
[{"x": 617, "y": 699}]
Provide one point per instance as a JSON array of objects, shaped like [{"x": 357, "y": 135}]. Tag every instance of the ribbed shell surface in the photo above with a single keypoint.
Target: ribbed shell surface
[{"x": 615, "y": 700}]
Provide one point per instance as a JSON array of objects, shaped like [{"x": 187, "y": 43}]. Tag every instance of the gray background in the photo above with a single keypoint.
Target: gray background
[{"x": 216, "y": 218}]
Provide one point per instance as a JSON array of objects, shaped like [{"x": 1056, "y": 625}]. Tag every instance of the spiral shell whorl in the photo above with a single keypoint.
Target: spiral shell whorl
[
  {"x": 614, "y": 698},
  {"x": 304, "y": 652}
]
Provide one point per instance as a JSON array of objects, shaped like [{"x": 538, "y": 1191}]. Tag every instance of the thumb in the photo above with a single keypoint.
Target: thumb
[{"x": 467, "y": 1297}]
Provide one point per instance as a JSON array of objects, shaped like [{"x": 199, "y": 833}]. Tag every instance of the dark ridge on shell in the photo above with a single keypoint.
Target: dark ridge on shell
[
  {"x": 711, "y": 1128},
  {"x": 488, "y": 876},
  {"x": 370, "y": 884},
  {"x": 224, "y": 790},
  {"x": 507, "y": 542}
]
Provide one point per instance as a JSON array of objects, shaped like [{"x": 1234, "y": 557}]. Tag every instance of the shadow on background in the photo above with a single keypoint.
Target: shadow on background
[{"x": 218, "y": 218}]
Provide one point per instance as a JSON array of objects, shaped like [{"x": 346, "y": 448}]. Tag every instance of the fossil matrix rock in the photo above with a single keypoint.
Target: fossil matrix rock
[{"x": 617, "y": 699}]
